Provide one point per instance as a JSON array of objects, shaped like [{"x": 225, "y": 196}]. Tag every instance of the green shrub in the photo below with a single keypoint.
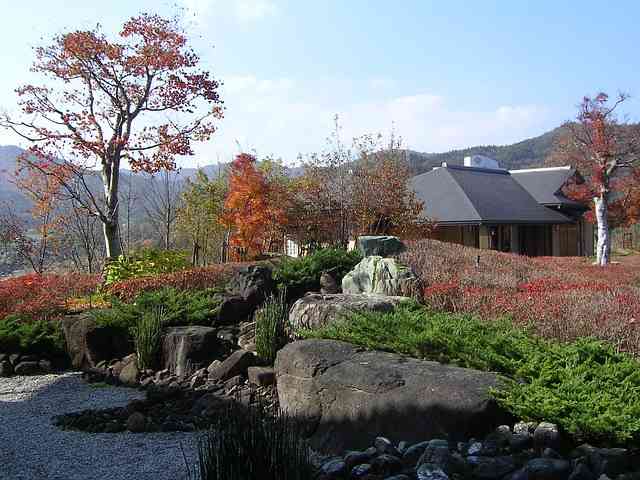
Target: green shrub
[
  {"x": 146, "y": 336},
  {"x": 586, "y": 387},
  {"x": 304, "y": 273},
  {"x": 180, "y": 307},
  {"x": 145, "y": 263},
  {"x": 19, "y": 334},
  {"x": 248, "y": 444},
  {"x": 272, "y": 320}
]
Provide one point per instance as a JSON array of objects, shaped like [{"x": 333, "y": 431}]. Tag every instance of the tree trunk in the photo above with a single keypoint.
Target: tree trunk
[
  {"x": 603, "y": 248},
  {"x": 111, "y": 239}
]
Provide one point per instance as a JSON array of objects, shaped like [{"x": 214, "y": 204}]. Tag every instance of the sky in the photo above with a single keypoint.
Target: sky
[{"x": 441, "y": 74}]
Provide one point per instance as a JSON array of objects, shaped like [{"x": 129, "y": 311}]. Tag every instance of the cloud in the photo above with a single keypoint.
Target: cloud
[{"x": 243, "y": 11}]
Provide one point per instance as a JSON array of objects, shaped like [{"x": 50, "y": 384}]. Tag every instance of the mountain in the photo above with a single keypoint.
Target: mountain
[{"x": 527, "y": 153}]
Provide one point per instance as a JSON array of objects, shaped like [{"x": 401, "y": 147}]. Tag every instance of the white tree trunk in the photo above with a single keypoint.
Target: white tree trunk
[{"x": 603, "y": 248}]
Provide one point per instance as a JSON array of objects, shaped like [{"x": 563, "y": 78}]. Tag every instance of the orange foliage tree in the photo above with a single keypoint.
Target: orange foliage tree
[
  {"x": 250, "y": 210},
  {"x": 139, "y": 98}
]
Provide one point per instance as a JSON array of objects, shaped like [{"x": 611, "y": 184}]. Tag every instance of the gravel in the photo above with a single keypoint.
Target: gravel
[{"x": 32, "y": 448}]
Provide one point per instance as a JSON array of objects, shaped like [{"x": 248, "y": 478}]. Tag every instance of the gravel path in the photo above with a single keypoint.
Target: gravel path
[{"x": 32, "y": 448}]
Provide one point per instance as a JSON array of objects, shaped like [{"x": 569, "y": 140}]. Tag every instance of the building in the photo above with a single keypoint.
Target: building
[{"x": 481, "y": 205}]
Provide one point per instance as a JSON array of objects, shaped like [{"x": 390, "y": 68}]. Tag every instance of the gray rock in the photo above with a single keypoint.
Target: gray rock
[
  {"x": 26, "y": 368},
  {"x": 334, "y": 468},
  {"x": 136, "y": 422},
  {"x": 45, "y": 366},
  {"x": 546, "y": 435},
  {"x": 548, "y": 469},
  {"x": 236, "y": 364},
  {"x": 14, "y": 358},
  {"x": 261, "y": 376},
  {"x": 431, "y": 472},
  {"x": 6, "y": 369},
  {"x": 525, "y": 428},
  {"x": 382, "y": 276},
  {"x": 348, "y": 395},
  {"x": 492, "y": 468},
  {"x": 187, "y": 349},
  {"x": 386, "y": 465},
  {"x": 130, "y": 374},
  {"x": 381, "y": 245},
  {"x": 88, "y": 344},
  {"x": 317, "y": 310},
  {"x": 582, "y": 472},
  {"x": 355, "y": 458},
  {"x": 253, "y": 283},
  {"x": 328, "y": 284},
  {"x": 361, "y": 470},
  {"x": 412, "y": 454}
]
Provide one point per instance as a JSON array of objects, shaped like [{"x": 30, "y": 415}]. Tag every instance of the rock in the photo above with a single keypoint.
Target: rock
[
  {"x": 187, "y": 349},
  {"x": 14, "y": 358},
  {"x": 253, "y": 283},
  {"x": 582, "y": 472},
  {"x": 491, "y": 468},
  {"x": 334, "y": 468},
  {"x": 236, "y": 364},
  {"x": 261, "y": 376},
  {"x": 6, "y": 369},
  {"x": 213, "y": 365},
  {"x": 348, "y": 395},
  {"x": 548, "y": 469},
  {"x": 546, "y": 435},
  {"x": 382, "y": 276},
  {"x": 316, "y": 310},
  {"x": 26, "y": 368},
  {"x": 247, "y": 336},
  {"x": 88, "y": 344},
  {"x": 136, "y": 422},
  {"x": 383, "y": 245},
  {"x": 431, "y": 472},
  {"x": 525, "y": 428},
  {"x": 130, "y": 374},
  {"x": 328, "y": 284},
  {"x": 232, "y": 383},
  {"x": 233, "y": 310},
  {"x": 412, "y": 454},
  {"x": 386, "y": 465},
  {"x": 357, "y": 458},
  {"x": 360, "y": 470},
  {"x": 45, "y": 366}
]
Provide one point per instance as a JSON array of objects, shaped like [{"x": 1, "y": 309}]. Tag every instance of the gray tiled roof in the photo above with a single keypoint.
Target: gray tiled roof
[
  {"x": 545, "y": 185},
  {"x": 470, "y": 195}
]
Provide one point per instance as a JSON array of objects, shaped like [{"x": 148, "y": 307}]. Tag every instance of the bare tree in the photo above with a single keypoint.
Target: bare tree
[{"x": 161, "y": 204}]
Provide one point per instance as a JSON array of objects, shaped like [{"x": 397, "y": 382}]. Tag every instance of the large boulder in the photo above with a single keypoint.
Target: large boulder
[
  {"x": 382, "y": 276},
  {"x": 317, "y": 310},
  {"x": 187, "y": 349},
  {"x": 349, "y": 396},
  {"x": 254, "y": 283},
  {"x": 88, "y": 343},
  {"x": 380, "y": 245},
  {"x": 234, "y": 309}
]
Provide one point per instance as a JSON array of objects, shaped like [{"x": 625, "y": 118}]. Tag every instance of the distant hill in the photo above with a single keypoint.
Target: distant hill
[{"x": 527, "y": 153}]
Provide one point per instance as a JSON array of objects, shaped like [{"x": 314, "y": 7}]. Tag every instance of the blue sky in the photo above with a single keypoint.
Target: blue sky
[{"x": 445, "y": 74}]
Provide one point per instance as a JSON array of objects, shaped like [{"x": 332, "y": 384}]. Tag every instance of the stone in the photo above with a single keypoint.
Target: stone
[
  {"x": 348, "y": 395},
  {"x": 317, "y": 310},
  {"x": 130, "y": 374},
  {"x": 328, "y": 284},
  {"x": 247, "y": 336},
  {"x": 45, "y": 366},
  {"x": 236, "y": 364},
  {"x": 88, "y": 344},
  {"x": 6, "y": 369},
  {"x": 261, "y": 376},
  {"x": 546, "y": 435},
  {"x": 357, "y": 458},
  {"x": 233, "y": 310},
  {"x": 136, "y": 422},
  {"x": 14, "y": 358},
  {"x": 582, "y": 472},
  {"x": 360, "y": 470},
  {"x": 431, "y": 472},
  {"x": 334, "y": 468},
  {"x": 548, "y": 469},
  {"x": 386, "y": 465},
  {"x": 380, "y": 245},
  {"x": 26, "y": 368},
  {"x": 382, "y": 276},
  {"x": 253, "y": 283},
  {"x": 413, "y": 453},
  {"x": 491, "y": 468},
  {"x": 189, "y": 348},
  {"x": 525, "y": 428}
]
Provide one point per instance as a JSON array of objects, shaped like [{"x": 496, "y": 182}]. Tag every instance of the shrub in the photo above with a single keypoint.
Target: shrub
[
  {"x": 247, "y": 444},
  {"x": 146, "y": 336},
  {"x": 179, "y": 307},
  {"x": 20, "y": 334},
  {"x": 145, "y": 263},
  {"x": 213, "y": 276},
  {"x": 303, "y": 273},
  {"x": 42, "y": 297},
  {"x": 584, "y": 386},
  {"x": 272, "y": 326}
]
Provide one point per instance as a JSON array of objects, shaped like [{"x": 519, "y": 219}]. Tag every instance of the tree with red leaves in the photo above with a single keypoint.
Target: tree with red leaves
[
  {"x": 139, "y": 98},
  {"x": 250, "y": 212},
  {"x": 607, "y": 153}
]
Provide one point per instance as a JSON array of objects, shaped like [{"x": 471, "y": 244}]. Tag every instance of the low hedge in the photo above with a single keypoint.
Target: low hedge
[{"x": 591, "y": 391}]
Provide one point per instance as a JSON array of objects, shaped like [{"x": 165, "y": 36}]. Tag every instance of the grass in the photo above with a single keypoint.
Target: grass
[
  {"x": 271, "y": 326},
  {"x": 146, "y": 337},
  {"x": 585, "y": 386}
]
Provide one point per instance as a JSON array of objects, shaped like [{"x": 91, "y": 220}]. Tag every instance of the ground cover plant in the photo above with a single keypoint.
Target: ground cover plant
[
  {"x": 562, "y": 298},
  {"x": 585, "y": 386}
]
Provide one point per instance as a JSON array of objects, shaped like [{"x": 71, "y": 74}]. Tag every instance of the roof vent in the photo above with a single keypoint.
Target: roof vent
[{"x": 481, "y": 161}]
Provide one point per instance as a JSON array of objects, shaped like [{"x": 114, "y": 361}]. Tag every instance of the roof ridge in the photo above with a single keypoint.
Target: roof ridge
[{"x": 541, "y": 169}]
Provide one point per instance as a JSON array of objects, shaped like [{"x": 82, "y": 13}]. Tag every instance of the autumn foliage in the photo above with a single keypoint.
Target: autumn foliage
[
  {"x": 250, "y": 210},
  {"x": 558, "y": 297}
]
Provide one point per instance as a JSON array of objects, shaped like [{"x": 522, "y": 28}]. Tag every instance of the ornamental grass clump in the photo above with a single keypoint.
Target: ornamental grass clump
[
  {"x": 248, "y": 444},
  {"x": 146, "y": 335},
  {"x": 272, "y": 320}
]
